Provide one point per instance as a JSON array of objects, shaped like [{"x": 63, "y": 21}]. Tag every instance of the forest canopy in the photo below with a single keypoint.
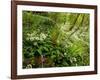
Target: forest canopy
[{"x": 55, "y": 39}]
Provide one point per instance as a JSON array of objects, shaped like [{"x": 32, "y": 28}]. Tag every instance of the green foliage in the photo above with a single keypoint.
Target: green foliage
[{"x": 52, "y": 39}]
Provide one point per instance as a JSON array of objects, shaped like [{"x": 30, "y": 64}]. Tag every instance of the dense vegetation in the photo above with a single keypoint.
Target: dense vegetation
[{"x": 52, "y": 39}]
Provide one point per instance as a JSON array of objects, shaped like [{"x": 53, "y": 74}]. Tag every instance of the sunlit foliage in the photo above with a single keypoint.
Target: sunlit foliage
[{"x": 52, "y": 39}]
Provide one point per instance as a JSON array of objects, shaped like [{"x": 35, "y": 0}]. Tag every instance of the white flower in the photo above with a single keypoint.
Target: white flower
[
  {"x": 37, "y": 38},
  {"x": 29, "y": 66},
  {"x": 31, "y": 38},
  {"x": 42, "y": 35},
  {"x": 34, "y": 36}
]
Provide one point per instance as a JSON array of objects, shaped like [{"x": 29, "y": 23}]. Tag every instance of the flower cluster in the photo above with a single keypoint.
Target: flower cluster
[{"x": 33, "y": 36}]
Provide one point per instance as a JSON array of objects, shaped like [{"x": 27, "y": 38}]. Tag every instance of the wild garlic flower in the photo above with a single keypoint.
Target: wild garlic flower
[
  {"x": 42, "y": 36},
  {"x": 34, "y": 36}
]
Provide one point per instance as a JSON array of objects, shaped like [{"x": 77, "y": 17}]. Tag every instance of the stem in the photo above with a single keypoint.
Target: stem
[{"x": 42, "y": 59}]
